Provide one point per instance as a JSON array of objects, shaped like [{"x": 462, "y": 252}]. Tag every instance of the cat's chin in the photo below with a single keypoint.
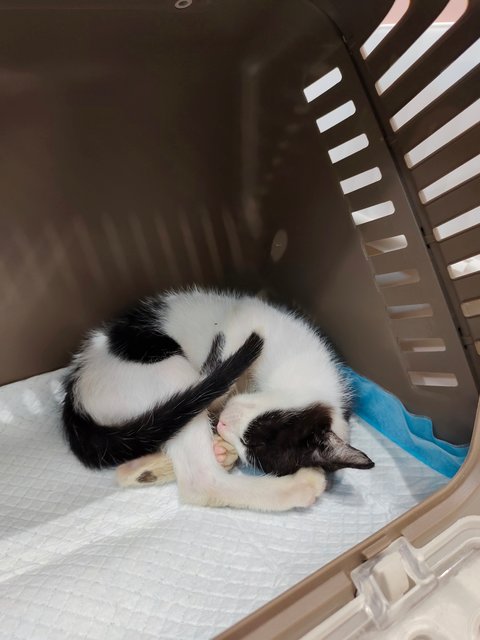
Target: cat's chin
[{"x": 221, "y": 428}]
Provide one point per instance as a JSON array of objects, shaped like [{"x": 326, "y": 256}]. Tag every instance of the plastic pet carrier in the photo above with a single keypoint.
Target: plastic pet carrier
[{"x": 304, "y": 149}]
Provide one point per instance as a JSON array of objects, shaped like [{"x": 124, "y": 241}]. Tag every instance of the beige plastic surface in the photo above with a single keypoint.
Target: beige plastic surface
[
  {"x": 299, "y": 610},
  {"x": 439, "y": 598}
]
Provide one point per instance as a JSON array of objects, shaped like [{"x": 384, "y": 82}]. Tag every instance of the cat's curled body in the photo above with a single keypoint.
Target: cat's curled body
[
  {"x": 295, "y": 412},
  {"x": 293, "y": 416},
  {"x": 135, "y": 388}
]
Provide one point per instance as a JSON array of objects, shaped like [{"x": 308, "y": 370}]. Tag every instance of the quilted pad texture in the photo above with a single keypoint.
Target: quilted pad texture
[{"x": 81, "y": 558}]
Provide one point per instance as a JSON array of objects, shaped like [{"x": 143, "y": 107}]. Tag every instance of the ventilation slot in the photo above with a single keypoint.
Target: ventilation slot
[
  {"x": 398, "y": 9},
  {"x": 454, "y": 72},
  {"x": 361, "y": 180},
  {"x": 471, "y": 308},
  {"x": 433, "y": 379},
  {"x": 422, "y": 345},
  {"x": 466, "y": 119},
  {"x": 323, "y": 84},
  {"x": 332, "y": 118},
  {"x": 464, "y": 267},
  {"x": 348, "y": 148},
  {"x": 428, "y": 38},
  {"x": 387, "y": 245},
  {"x": 458, "y": 224},
  {"x": 397, "y": 278},
  {"x": 375, "y": 212},
  {"x": 451, "y": 180},
  {"x": 405, "y": 311}
]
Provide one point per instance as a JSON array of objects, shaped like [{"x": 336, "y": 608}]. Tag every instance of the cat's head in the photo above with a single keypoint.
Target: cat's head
[{"x": 281, "y": 441}]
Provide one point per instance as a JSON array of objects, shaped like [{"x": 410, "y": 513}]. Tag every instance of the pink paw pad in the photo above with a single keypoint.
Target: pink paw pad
[{"x": 220, "y": 452}]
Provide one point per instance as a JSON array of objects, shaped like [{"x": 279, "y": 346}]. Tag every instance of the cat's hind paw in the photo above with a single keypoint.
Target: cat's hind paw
[{"x": 155, "y": 468}]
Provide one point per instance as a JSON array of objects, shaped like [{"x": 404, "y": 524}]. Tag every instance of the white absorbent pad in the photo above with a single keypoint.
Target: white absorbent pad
[{"x": 82, "y": 558}]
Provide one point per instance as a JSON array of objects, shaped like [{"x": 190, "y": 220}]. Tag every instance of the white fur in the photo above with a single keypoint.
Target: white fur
[
  {"x": 113, "y": 390},
  {"x": 295, "y": 369}
]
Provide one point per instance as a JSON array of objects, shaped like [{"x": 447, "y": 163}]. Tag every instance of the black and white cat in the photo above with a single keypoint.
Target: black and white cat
[
  {"x": 295, "y": 411},
  {"x": 136, "y": 388}
]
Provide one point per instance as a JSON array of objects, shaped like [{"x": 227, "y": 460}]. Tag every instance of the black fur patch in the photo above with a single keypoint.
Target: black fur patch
[
  {"x": 136, "y": 335},
  {"x": 214, "y": 357},
  {"x": 282, "y": 442},
  {"x": 147, "y": 477},
  {"x": 99, "y": 446}
]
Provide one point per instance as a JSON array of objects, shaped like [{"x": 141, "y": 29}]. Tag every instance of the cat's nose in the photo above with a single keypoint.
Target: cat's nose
[{"x": 221, "y": 427}]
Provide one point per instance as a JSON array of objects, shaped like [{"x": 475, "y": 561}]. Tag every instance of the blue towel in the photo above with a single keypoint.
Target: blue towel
[{"x": 413, "y": 434}]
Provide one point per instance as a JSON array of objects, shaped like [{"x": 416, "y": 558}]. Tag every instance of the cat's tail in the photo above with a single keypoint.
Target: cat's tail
[{"x": 99, "y": 446}]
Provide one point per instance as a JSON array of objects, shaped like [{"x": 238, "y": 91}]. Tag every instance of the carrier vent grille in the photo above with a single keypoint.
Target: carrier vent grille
[
  {"x": 390, "y": 254},
  {"x": 423, "y": 62}
]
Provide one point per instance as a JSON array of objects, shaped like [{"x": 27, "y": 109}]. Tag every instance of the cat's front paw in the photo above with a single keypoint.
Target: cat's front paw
[
  {"x": 308, "y": 484},
  {"x": 225, "y": 453}
]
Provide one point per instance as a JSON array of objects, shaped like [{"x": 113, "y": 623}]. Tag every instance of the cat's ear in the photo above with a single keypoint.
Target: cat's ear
[{"x": 334, "y": 453}]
